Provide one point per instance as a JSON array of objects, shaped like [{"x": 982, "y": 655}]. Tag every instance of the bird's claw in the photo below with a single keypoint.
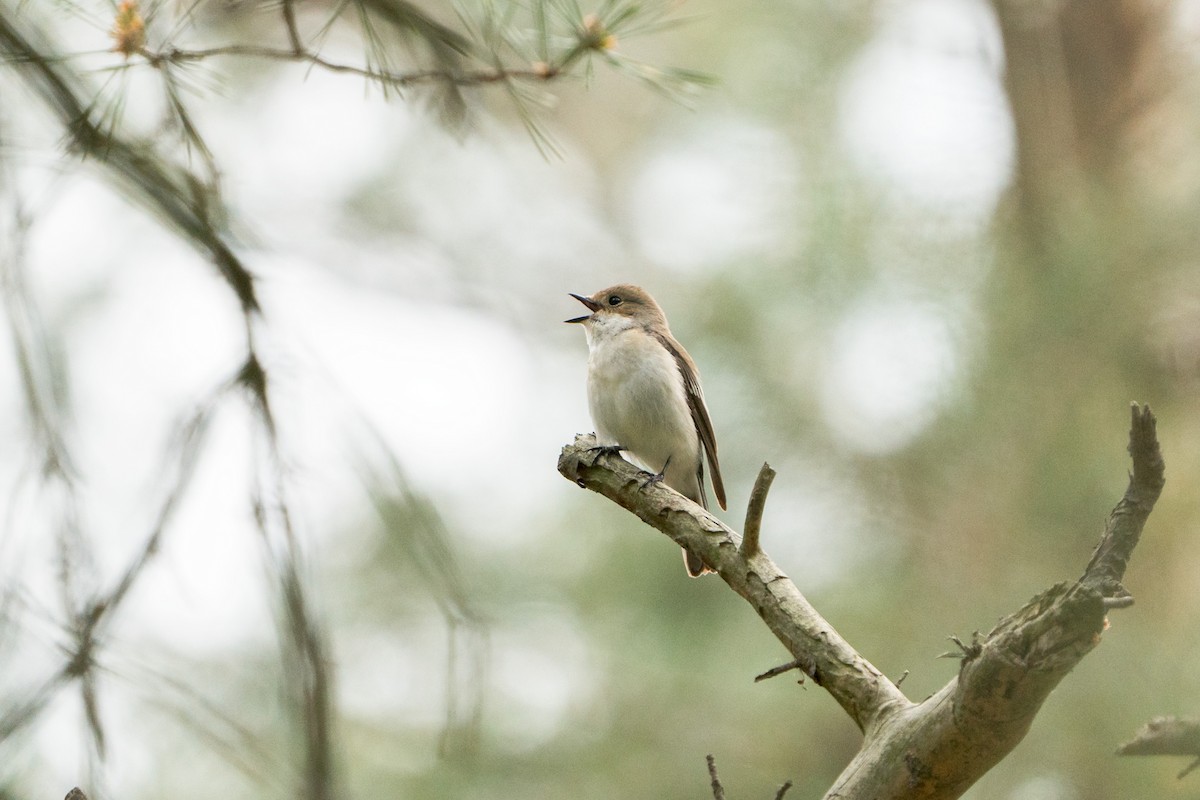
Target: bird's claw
[
  {"x": 652, "y": 479},
  {"x": 656, "y": 477},
  {"x": 604, "y": 450}
]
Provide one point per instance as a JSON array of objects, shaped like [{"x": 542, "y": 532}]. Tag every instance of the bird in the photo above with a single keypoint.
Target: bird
[{"x": 645, "y": 398}]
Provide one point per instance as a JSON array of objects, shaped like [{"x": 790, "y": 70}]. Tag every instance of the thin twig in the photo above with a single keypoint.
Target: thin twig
[
  {"x": 717, "y": 789},
  {"x": 15, "y": 716},
  {"x": 191, "y": 438},
  {"x": 782, "y": 668},
  {"x": 471, "y": 78},
  {"x": 754, "y": 510},
  {"x": 783, "y": 790},
  {"x": 304, "y": 640},
  {"x": 289, "y": 19}
]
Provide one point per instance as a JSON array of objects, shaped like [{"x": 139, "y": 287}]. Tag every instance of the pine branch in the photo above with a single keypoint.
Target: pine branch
[
  {"x": 158, "y": 58},
  {"x": 174, "y": 194}
]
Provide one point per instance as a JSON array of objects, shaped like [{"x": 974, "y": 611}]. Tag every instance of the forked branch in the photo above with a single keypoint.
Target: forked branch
[
  {"x": 823, "y": 655},
  {"x": 938, "y": 748}
]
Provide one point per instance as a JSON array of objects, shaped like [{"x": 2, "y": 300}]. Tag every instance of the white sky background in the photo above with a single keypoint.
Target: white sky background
[{"x": 375, "y": 331}]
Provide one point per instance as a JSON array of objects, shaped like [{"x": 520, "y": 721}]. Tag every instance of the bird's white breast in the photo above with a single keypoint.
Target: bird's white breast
[{"x": 637, "y": 398}]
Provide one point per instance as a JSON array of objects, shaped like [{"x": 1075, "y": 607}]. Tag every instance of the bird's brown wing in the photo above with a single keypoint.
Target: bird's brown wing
[{"x": 695, "y": 401}]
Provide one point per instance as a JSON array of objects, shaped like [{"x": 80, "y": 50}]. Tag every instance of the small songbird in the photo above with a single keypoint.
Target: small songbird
[{"x": 644, "y": 395}]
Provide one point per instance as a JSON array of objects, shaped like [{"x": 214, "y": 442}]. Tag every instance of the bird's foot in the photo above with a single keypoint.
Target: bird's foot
[
  {"x": 605, "y": 450},
  {"x": 656, "y": 477}
]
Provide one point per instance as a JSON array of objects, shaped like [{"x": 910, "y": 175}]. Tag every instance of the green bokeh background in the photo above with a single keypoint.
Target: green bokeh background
[{"x": 1077, "y": 295}]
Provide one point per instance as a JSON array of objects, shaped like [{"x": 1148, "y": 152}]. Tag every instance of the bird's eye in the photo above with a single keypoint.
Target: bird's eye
[{"x": 614, "y": 300}]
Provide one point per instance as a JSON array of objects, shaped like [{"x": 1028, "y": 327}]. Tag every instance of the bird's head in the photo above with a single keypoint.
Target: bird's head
[{"x": 624, "y": 305}]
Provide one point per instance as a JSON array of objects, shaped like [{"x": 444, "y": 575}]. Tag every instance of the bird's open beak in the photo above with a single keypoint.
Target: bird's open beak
[{"x": 587, "y": 301}]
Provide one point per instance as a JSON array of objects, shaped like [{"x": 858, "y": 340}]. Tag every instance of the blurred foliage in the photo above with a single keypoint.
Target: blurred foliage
[{"x": 1077, "y": 293}]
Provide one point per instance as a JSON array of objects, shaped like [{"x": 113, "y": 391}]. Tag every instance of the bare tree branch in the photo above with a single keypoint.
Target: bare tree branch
[
  {"x": 938, "y": 748},
  {"x": 823, "y": 654},
  {"x": 289, "y": 21},
  {"x": 1106, "y": 568},
  {"x": 1166, "y": 736}
]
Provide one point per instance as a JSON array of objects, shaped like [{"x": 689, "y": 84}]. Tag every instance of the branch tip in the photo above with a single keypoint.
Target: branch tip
[
  {"x": 754, "y": 511},
  {"x": 717, "y": 789},
  {"x": 1144, "y": 448},
  {"x": 1106, "y": 568},
  {"x": 782, "y": 668}
]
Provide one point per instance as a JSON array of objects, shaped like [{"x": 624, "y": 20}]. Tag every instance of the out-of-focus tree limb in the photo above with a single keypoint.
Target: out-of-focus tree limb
[
  {"x": 1166, "y": 736},
  {"x": 938, "y": 748},
  {"x": 478, "y": 77},
  {"x": 174, "y": 194}
]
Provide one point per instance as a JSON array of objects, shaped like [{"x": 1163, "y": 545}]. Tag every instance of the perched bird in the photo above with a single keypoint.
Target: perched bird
[{"x": 644, "y": 395}]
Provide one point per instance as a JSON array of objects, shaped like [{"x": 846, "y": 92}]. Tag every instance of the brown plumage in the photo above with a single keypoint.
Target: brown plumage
[{"x": 644, "y": 394}]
